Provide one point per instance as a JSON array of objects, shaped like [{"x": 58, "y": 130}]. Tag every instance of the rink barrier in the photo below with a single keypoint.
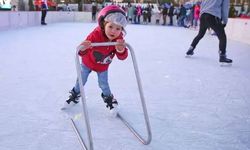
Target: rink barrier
[
  {"x": 236, "y": 29},
  {"x": 20, "y": 19},
  {"x": 89, "y": 145}
]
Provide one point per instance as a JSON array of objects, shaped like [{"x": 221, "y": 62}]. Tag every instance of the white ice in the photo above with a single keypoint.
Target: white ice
[{"x": 193, "y": 103}]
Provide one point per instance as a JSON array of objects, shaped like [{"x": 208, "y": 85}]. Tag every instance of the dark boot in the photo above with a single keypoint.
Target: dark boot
[
  {"x": 43, "y": 23},
  {"x": 72, "y": 100},
  {"x": 73, "y": 97},
  {"x": 190, "y": 51},
  {"x": 110, "y": 101},
  {"x": 224, "y": 59}
]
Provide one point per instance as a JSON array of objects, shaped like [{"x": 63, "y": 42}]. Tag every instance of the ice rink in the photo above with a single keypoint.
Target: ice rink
[{"x": 193, "y": 103}]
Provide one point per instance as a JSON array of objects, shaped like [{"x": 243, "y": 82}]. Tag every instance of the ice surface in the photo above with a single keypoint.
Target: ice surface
[{"x": 193, "y": 103}]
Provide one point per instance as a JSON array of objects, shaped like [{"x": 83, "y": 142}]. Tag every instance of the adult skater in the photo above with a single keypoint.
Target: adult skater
[
  {"x": 112, "y": 21},
  {"x": 214, "y": 14},
  {"x": 44, "y": 8},
  {"x": 94, "y": 11}
]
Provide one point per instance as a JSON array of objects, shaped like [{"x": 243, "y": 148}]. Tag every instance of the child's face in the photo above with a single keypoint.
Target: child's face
[{"x": 112, "y": 30}]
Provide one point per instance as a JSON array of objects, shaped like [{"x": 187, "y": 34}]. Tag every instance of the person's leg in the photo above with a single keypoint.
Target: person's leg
[
  {"x": 139, "y": 19},
  {"x": 191, "y": 21},
  {"x": 164, "y": 17},
  {"x": 75, "y": 92},
  {"x": 103, "y": 83},
  {"x": 171, "y": 20},
  {"x": 43, "y": 16},
  {"x": 106, "y": 93},
  {"x": 85, "y": 71},
  {"x": 95, "y": 17},
  {"x": 202, "y": 31},
  {"x": 194, "y": 23},
  {"x": 135, "y": 19},
  {"x": 218, "y": 28},
  {"x": 182, "y": 21},
  {"x": 92, "y": 16}
]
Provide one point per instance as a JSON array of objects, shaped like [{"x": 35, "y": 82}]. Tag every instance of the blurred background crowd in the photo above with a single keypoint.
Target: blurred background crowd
[{"x": 165, "y": 12}]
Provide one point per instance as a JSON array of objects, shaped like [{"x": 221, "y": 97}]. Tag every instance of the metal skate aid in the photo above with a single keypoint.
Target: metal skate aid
[{"x": 84, "y": 106}]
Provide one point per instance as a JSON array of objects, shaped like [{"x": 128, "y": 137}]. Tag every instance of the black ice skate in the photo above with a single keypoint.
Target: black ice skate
[
  {"x": 72, "y": 100},
  {"x": 224, "y": 60},
  {"x": 111, "y": 104},
  {"x": 190, "y": 52}
]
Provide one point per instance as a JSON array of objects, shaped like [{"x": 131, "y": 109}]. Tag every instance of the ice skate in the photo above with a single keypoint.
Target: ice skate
[
  {"x": 111, "y": 104},
  {"x": 225, "y": 61},
  {"x": 190, "y": 52},
  {"x": 72, "y": 100}
]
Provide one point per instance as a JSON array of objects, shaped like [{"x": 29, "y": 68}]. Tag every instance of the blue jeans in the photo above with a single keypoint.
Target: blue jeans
[{"x": 102, "y": 80}]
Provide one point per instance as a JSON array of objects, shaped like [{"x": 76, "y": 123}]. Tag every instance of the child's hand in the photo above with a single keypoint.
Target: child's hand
[
  {"x": 120, "y": 47},
  {"x": 84, "y": 45}
]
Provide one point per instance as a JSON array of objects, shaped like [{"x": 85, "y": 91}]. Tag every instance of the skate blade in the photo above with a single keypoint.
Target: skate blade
[
  {"x": 223, "y": 64},
  {"x": 113, "y": 112},
  {"x": 68, "y": 106},
  {"x": 188, "y": 56}
]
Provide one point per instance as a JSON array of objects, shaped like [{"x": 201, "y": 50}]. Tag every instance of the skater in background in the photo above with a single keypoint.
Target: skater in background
[
  {"x": 138, "y": 13},
  {"x": 164, "y": 13},
  {"x": 182, "y": 16},
  {"x": 44, "y": 8},
  {"x": 112, "y": 21},
  {"x": 214, "y": 14},
  {"x": 196, "y": 15},
  {"x": 171, "y": 14},
  {"x": 157, "y": 13},
  {"x": 94, "y": 11},
  {"x": 144, "y": 16},
  {"x": 130, "y": 12},
  {"x": 149, "y": 12}
]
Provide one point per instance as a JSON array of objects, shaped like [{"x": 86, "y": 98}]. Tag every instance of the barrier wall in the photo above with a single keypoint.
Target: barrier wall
[
  {"x": 19, "y": 19},
  {"x": 10, "y": 20},
  {"x": 237, "y": 29}
]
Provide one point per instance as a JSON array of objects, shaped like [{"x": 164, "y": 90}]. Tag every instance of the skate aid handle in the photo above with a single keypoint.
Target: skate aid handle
[
  {"x": 138, "y": 79},
  {"x": 104, "y": 44},
  {"x": 99, "y": 44}
]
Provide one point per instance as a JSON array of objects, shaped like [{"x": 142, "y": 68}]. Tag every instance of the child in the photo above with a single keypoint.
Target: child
[{"x": 111, "y": 20}]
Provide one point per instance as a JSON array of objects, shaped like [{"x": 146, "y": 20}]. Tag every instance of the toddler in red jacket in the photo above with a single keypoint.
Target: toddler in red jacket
[{"x": 111, "y": 24}]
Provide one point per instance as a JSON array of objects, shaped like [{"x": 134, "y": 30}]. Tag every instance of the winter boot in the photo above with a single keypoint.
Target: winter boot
[
  {"x": 190, "y": 51},
  {"x": 111, "y": 104},
  {"x": 224, "y": 59},
  {"x": 72, "y": 100}
]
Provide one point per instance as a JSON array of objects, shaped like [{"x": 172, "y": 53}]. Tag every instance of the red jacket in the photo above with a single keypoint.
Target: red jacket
[{"x": 99, "y": 58}]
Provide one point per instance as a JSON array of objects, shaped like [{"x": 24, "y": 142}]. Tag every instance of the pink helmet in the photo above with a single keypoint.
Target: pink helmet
[{"x": 112, "y": 13}]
